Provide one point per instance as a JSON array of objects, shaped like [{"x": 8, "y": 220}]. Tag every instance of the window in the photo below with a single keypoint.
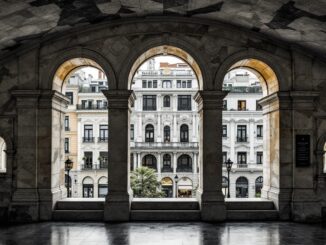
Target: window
[
  {"x": 70, "y": 96},
  {"x": 102, "y": 190},
  {"x": 224, "y": 154},
  {"x": 83, "y": 103},
  {"x": 184, "y": 163},
  {"x": 104, "y": 133},
  {"x": 166, "y": 163},
  {"x": 103, "y": 159},
  {"x": 178, "y": 83},
  {"x": 242, "y": 133},
  {"x": 184, "y": 102},
  {"x": 224, "y": 131},
  {"x": 242, "y": 105},
  {"x": 241, "y": 187},
  {"x": 189, "y": 83},
  {"x": 166, "y": 101},
  {"x": 166, "y": 134},
  {"x": 166, "y": 84},
  {"x": 88, "y": 187},
  {"x": 258, "y": 106},
  {"x": 99, "y": 104},
  {"x": 149, "y": 102},
  {"x": 242, "y": 158},
  {"x": 144, "y": 84},
  {"x": 184, "y": 84},
  {"x": 88, "y": 133},
  {"x": 259, "y": 131},
  {"x": 132, "y": 131},
  {"x": 225, "y": 105},
  {"x": 184, "y": 133},
  {"x": 154, "y": 83},
  {"x": 88, "y": 160},
  {"x": 259, "y": 157},
  {"x": 93, "y": 89},
  {"x": 149, "y": 133},
  {"x": 66, "y": 145},
  {"x": 258, "y": 186},
  {"x": 149, "y": 161},
  {"x": 67, "y": 123},
  {"x": 149, "y": 84}
]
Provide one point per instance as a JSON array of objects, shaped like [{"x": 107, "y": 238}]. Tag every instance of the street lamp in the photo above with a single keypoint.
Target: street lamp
[
  {"x": 228, "y": 164},
  {"x": 68, "y": 167},
  {"x": 176, "y": 178}
]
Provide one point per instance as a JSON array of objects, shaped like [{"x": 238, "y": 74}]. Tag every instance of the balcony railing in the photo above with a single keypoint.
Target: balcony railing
[
  {"x": 94, "y": 166},
  {"x": 184, "y": 170},
  {"x": 87, "y": 166},
  {"x": 103, "y": 165},
  {"x": 242, "y": 139},
  {"x": 103, "y": 139},
  {"x": 165, "y": 145},
  {"x": 242, "y": 165},
  {"x": 88, "y": 139},
  {"x": 91, "y": 107},
  {"x": 166, "y": 170}
]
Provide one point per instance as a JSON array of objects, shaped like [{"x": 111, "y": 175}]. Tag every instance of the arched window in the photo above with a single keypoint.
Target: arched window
[
  {"x": 88, "y": 187},
  {"x": 167, "y": 134},
  {"x": 184, "y": 163},
  {"x": 149, "y": 161},
  {"x": 184, "y": 133},
  {"x": 166, "y": 84},
  {"x": 166, "y": 101},
  {"x": 241, "y": 187},
  {"x": 102, "y": 186},
  {"x": 167, "y": 163},
  {"x": 258, "y": 186},
  {"x": 3, "y": 156},
  {"x": 149, "y": 133}
]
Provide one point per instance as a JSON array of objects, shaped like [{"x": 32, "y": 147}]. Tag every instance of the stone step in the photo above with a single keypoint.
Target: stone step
[
  {"x": 252, "y": 215},
  {"x": 164, "y": 205},
  {"x": 79, "y": 205},
  {"x": 250, "y": 205},
  {"x": 165, "y": 215},
  {"x": 78, "y": 215}
]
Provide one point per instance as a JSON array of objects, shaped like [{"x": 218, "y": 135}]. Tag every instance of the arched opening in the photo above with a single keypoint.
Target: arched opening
[
  {"x": 167, "y": 167},
  {"x": 149, "y": 133},
  {"x": 241, "y": 187},
  {"x": 149, "y": 161},
  {"x": 258, "y": 186},
  {"x": 88, "y": 187},
  {"x": 184, "y": 163},
  {"x": 184, "y": 133},
  {"x": 3, "y": 156},
  {"x": 167, "y": 186},
  {"x": 103, "y": 187},
  {"x": 185, "y": 188},
  {"x": 166, "y": 101},
  {"x": 167, "y": 134}
]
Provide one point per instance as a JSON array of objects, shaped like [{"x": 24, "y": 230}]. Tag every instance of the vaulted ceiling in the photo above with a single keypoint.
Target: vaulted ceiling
[{"x": 302, "y": 22}]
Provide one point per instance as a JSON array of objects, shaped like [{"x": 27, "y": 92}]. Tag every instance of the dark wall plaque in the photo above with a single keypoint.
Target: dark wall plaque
[{"x": 302, "y": 150}]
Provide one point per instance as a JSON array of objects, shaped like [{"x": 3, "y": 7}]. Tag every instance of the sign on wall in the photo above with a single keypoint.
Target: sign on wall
[{"x": 302, "y": 150}]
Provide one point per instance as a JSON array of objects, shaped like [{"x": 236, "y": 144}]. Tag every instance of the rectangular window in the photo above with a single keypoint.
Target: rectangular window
[
  {"x": 184, "y": 102},
  {"x": 189, "y": 83},
  {"x": 149, "y": 84},
  {"x": 93, "y": 89},
  {"x": 154, "y": 83},
  {"x": 132, "y": 131},
  {"x": 103, "y": 159},
  {"x": 224, "y": 154},
  {"x": 104, "y": 133},
  {"x": 149, "y": 102},
  {"x": 258, "y": 106},
  {"x": 242, "y": 157},
  {"x": 242, "y": 105},
  {"x": 178, "y": 83},
  {"x": 259, "y": 131},
  {"x": 99, "y": 104},
  {"x": 83, "y": 104},
  {"x": 67, "y": 123},
  {"x": 184, "y": 84},
  {"x": 70, "y": 96},
  {"x": 225, "y": 105},
  {"x": 66, "y": 145},
  {"x": 259, "y": 157},
  {"x": 88, "y": 159},
  {"x": 88, "y": 133},
  {"x": 242, "y": 133},
  {"x": 144, "y": 84},
  {"x": 224, "y": 131}
]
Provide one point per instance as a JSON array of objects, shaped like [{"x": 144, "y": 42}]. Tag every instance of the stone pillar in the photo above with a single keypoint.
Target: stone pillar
[
  {"x": 159, "y": 163},
  {"x": 138, "y": 160},
  {"x": 174, "y": 162},
  {"x": 210, "y": 154},
  {"x": 117, "y": 206},
  {"x": 135, "y": 161}
]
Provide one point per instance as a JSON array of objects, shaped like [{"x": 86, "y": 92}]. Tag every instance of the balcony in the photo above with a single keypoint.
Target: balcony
[
  {"x": 242, "y": 165},
  {"x": 87, "y": 166},
  {"x": 91, "y": 107},
  {"x": 103, "y": 139},
  {"x": 88, "y": 139},
  {"x": 166, "y": 169},
  {"x": 242, "y": 139},
  {"x": 103, "y": 165},
  {"x": 184, "y": 170},
  {"x": 90, "y": 166},
  {"x": 165, "y": 145}
]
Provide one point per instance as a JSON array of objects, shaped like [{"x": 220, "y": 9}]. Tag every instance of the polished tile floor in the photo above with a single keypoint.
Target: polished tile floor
[{"x": 163, "y": 233}]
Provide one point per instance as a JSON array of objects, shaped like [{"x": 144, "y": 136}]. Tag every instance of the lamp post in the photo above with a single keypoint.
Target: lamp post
[
  {"x": 68, "y": 167},
  {"x": 228, "y": 164},
  {"x": 176, "y": 178}
]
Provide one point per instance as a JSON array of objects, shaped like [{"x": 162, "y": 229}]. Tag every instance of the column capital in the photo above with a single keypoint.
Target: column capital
[
  {"x": 26, "y": 98},
  {"x": 119, "y": 99},
  {"x": 210, "y": 100}
]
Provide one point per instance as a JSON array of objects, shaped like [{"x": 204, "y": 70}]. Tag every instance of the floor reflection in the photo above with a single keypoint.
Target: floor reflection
[{"x": 163, "y": 233}]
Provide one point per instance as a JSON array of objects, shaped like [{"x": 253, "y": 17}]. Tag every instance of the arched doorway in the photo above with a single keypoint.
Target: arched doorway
[
  {"x": 102, "y": 187},
  {"x": 258, "y": 186},
  {"x": 185, "y": 188},
  {"x": 241, "y": 187},
  {"x": 88, "y": 187},
  {"x": 167, "y": 186},
  {"x": 184, "y": 163}
]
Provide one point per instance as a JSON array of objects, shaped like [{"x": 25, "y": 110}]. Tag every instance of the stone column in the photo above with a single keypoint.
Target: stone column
[
  {"x": 210, "y": 154},
  {"x": 117, "y": 206},
  {"x": 138, "y": 160},
  {"x": 159, "y": 163},
  {"x": 174, "y": 163}
]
